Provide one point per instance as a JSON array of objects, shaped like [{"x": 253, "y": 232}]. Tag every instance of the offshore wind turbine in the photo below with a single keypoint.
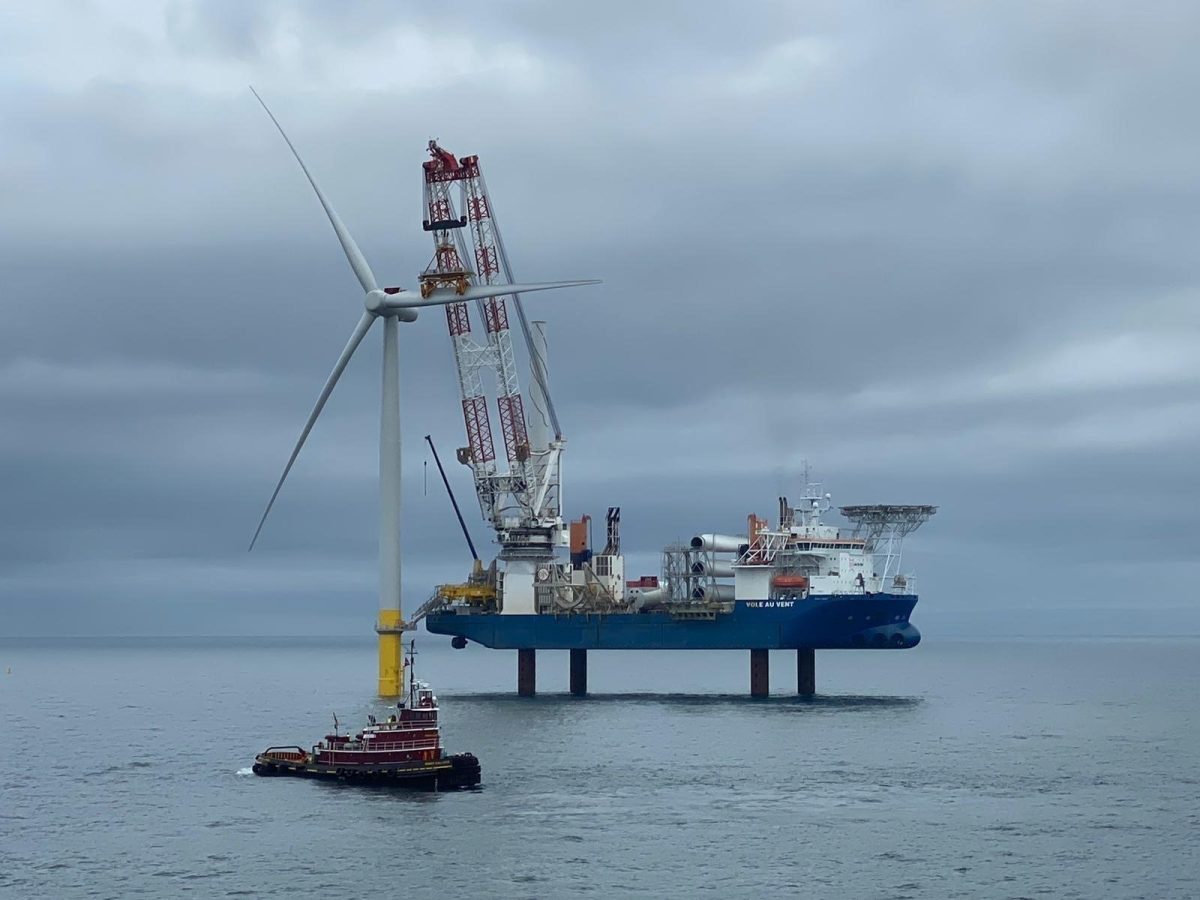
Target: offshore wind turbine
[{"x": 392, "y": 305}]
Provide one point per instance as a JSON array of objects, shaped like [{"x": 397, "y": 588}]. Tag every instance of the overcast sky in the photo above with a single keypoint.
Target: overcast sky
[{"x": 945, "y": 252}]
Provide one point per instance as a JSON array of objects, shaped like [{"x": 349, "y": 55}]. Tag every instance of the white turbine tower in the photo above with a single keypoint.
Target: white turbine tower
[{"x": 392, "y": 305}]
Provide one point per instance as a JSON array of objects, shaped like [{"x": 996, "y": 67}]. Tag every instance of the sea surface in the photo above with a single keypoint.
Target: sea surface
[{"x": 1034, "y": 768}]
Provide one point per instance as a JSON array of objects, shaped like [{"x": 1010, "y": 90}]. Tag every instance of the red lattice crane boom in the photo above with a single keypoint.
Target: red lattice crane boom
[{"x": 523, "y": 503}]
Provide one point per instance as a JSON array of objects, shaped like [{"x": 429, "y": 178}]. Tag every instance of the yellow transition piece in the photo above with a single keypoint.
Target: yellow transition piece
[{"x": 391, "y": 654}]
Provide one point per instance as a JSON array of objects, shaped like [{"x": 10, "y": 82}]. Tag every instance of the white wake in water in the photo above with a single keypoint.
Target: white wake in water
[{"x": 245, "y": 771}]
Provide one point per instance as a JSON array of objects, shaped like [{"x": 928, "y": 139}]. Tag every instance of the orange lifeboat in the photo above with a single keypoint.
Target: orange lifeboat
[{"x": 793, "y": 582}]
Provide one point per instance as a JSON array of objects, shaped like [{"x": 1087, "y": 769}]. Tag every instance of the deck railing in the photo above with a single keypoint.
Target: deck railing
[{"x": 382, "y": 746}]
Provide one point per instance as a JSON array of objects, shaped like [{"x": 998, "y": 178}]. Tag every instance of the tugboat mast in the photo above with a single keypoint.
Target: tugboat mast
[{"x": 412, "y": 679}]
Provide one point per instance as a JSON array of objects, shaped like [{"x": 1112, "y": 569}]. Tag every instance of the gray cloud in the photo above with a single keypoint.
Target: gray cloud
[{"x": 943, "y": 253}]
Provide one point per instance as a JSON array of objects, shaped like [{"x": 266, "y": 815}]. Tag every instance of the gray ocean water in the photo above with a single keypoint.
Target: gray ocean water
[{"x": 971, "y": 769}]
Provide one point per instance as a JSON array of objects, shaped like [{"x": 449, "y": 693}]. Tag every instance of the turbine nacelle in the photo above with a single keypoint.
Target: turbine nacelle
[{"x": 383, "y": 303}]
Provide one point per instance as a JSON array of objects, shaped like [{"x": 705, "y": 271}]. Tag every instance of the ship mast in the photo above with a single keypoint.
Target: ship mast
[{"x": 412, "y": 674}]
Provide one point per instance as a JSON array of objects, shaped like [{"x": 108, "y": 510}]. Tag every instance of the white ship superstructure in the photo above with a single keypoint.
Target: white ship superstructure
[{"x": 799, "y": 557}]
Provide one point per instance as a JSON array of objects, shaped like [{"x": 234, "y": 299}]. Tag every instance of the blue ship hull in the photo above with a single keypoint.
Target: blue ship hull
[{"x": 837, "y": 621}]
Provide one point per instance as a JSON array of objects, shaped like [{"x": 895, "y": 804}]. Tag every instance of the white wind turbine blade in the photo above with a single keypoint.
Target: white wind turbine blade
[
  {"x": 358, "y": 262},
  {"x": 360, "y": 331},
  {"x": 444, "y": 296}
]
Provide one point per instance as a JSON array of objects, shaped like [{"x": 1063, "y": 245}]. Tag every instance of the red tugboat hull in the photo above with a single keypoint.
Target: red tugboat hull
[
  {"x": 453, "y": 772},
  {"x": 404, "y": 750}
]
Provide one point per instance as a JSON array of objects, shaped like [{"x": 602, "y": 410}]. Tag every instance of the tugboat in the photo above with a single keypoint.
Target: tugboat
[{"x": 404, "y": 751}]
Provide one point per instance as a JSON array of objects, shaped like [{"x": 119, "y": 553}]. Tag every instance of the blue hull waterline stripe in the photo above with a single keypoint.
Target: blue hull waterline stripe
[{"x": 829, "y": 622}]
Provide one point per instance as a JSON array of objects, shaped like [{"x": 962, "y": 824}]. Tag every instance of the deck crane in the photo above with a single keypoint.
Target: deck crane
[{"x": 523, "y": 502}]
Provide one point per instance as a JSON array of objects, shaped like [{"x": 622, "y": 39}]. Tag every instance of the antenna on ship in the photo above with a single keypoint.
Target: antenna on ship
[{"x": 412, "y": 672}]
